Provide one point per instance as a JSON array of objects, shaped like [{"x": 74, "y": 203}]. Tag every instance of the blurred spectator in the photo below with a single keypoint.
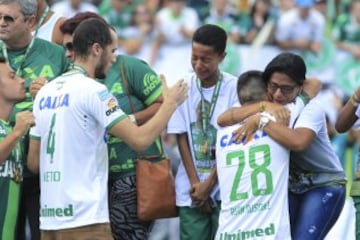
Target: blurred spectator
[
  {"x": 68, "y": 8},
  {"x": 285, "y": 5},
  {"x": 260, "y": 13},
  {"x": 154, "y": 5},
  {"x": 174, "y": 25},
  {"x": 242, "y": 5},
  {"x": 301, "y": 28},
  {"x": 96, "y": 2},
  {"x": 48, "y": 23},
  {"x": 140, "y": 32},
  {"x": 321, "y": 6},
  {"x": 327, "y": 9},
  {"x": 346, "y": 31},
  {"x": 200, "y": 6},
  {"x": 119, "y": 15},
  {"x": 342, "y": 141},
  {"x": 222, "y": 15}
]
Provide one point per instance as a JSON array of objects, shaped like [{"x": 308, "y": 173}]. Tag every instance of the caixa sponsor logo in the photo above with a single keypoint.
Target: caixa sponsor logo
[{"x": 112, "y": 105}]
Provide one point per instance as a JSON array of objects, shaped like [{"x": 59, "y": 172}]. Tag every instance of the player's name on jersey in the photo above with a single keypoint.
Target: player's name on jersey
[
  {"x": 57, "y": 211},
  {"x": 249, "y": 208},
  {"x": 52, "y": 102},
  {"x": 228, "y": 139},
  {"x": 52, "y": 176},
  {"x": 249, "y": 234}
]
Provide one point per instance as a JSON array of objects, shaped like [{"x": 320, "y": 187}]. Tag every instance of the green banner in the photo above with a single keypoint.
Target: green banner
[
  {"x": 323, "y": 59},
  {"x": 348, "y": 75},
  {"x": 231, "y": 63}
]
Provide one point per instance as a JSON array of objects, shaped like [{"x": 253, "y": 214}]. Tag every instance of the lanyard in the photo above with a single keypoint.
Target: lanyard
[
  {"x": 41, "y": 19},
  {"x": 5, "y": 53},
  {"x": 206, "y": 115}
]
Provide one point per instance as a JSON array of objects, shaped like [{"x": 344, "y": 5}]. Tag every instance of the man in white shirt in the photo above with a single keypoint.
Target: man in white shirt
[
  {"x": 301, "y": 28},
  {"x": 73, "y": 114}
]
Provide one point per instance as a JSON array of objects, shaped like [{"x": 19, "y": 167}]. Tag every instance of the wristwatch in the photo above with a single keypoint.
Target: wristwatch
[
  {"x": 132, "y": 118},
  {"x": 265, "y": 118}
]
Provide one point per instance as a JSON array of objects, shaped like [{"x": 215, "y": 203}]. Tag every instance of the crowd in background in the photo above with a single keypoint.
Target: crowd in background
[{"x": 324, "y": 32}]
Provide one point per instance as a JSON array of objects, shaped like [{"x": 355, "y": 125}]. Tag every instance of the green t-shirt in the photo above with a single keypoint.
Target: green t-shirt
[
  {"x": 45, "y": 59},
  {"x": 346, "y": 30},
  {"x": 10, "y": 177},
  {"x": 119, "y": 19},
  {"x": 144, "y": 88}
]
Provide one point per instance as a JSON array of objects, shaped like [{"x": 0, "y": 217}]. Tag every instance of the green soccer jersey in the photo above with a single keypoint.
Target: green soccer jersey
[
  {"x": 144, "y": 88},
  {"x": 346, "y": 29},
  {"x": 10, "y": 177},
  {"x": 44, "y": 59}
]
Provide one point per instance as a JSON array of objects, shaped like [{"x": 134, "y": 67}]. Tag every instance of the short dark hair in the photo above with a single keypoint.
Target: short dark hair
[
  {"x": 70, "y": 24},
  {"x": 211, "y": 35},
  {"x": 88, "y": 32},
  {"x": 251, "y": 87},
  {"x": 2, "y": 59},
  {"x": 288, "y": 63}
]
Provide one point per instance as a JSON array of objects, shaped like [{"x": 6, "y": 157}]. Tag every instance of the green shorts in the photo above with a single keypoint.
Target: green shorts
[{"x": 195, "y": 224}]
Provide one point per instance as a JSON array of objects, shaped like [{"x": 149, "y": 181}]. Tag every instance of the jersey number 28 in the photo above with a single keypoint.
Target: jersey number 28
[{"x": 259, "y": 170}]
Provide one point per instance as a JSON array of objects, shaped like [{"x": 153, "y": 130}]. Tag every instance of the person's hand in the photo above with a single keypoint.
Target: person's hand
[
  {"x": 315, "y": 47},
  {"x": 199, "y": 192},
  {"x": 175, "y": 94},
  {"x": 281, "y": 113},
  {"x": 36, "y": 85},
  {"x": 357, "y": 94},
  {"x": 206, "y": 206},
  {"x": 302, "y": 44},
  {"x": 356, "y": 52},
  {"x": 24, "y": 120},
  {"x": 248, "y": 128},
  {"x": 183, "y": 30},
  {"x": 145, "y": 28}
]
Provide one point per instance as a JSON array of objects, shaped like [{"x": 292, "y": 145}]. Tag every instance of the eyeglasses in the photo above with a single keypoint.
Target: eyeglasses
[
  {"x": 285, "y": 89},
  {"x": 69, "y": 46},
  {"x": 8, "y": 19}
]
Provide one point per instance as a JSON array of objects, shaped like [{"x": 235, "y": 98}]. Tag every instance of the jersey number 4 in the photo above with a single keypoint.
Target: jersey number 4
[{"x": 50, "y": 149}]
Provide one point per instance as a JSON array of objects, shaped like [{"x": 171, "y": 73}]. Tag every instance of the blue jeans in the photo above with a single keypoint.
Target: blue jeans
[{"x": 314, "y": 212}]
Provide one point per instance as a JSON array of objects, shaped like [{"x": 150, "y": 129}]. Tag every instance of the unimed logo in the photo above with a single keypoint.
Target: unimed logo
[
  {"x": 57, "y": 212},
  {"x": 249, "y": 234}
]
